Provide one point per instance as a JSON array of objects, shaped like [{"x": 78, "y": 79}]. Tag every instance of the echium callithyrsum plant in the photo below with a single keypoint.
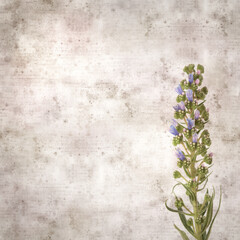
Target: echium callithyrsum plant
[{"x": 194, "y": 161}]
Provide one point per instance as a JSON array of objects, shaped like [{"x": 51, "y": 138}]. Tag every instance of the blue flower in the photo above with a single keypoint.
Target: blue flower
[
  {"x": 180, "y": 154},
  {"x": 174, "y": 122},
  {"x": 173, "y": 130},
  {"x": 179, "y": 90},
  {"x": 197, "y": 114},
  {"x": 194, "y": 138},
  {"x": 190, "y": 123},
  {"x": 181, "y": 105},
  {"x": 189, "y": 95},
  {"x": 190, "y": 78},
  {"x": 176, "y": 108}
]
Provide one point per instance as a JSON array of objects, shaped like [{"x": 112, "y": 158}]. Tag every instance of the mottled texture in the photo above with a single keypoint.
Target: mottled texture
[{"x": 86, "y": 95}]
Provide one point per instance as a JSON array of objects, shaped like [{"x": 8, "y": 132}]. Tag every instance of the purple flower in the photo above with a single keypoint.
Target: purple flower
[
  {"x": 176, "y": 108},
  {"x": 190, "y": 123},
  {"x": 173, "y": 130},
  {"x": 174, "y": 122},
  {"x": 197, "y": 81},
  {"x": 181, "y": 105},
  {"x": 180, "y": 154},
  {"x": 179, "y": 90},
  {"x": 198, "y": 72},
  {"x": 189, "y": 95},
  {"x": 197, "y": 114},
  {"x": 194, "y": 138},
  {"x": 190, "y": 78}
]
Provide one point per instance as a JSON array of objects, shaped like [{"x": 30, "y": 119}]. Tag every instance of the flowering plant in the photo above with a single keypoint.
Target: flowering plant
[{"x": 191, "y": 116}]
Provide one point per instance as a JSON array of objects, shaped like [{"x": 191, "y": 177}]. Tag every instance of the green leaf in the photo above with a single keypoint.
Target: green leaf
[
  {"x": 203, "y": 186},
  {"x": 210, "y": 228},
  {"x": 185, "y": 170},
  {"x": 191, "y": 67},
  {"x": 204, "y": 209},
  {"x": 192, "y": 115},
  {"x": 174, "y": 210},
  {"x": 188, "y": 146},
  {"x": 200, "y": 67},
  {"x": 200, "y": 104},
  {"x": 186, "y": 70},
  {"x": 204, "y": 90},
  {"x": 174, "y": 188},
  {"x": 206, "y": 177},
  {"x": 182, "y": 233},
  {"x": 193, "y": 196},
  {"x": 184, "y": 222},
  {"x": 182, "y": 83},
  {"x": 204, "y": 236},
  {"x": 208, "y": 219}
]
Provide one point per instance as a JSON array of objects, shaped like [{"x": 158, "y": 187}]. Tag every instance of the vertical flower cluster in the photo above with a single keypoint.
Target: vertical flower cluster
[{"x": 192, "y": 143}]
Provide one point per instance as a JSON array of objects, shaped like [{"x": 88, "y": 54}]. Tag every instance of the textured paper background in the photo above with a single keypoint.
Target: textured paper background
[{"x": 87, "y": 89}]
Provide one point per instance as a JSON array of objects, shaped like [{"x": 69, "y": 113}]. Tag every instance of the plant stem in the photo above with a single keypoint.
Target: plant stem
[
  {"x": 197, "y": 225},
  {"x": 188, "y": 209},
  {"x": 195, "y": 202},
  {"x": 185, "y": 148}
]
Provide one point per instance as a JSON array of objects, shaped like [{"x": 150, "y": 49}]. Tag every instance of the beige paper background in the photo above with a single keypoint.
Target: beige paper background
[{"x": 87, "y": 89}]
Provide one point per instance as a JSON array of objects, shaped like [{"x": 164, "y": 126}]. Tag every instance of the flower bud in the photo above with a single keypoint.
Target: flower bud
[
  {"x": 182, "y": 83},
  {"x": 208, "y": 159},
  {"x": 177, "y": 174},
  {"x": 179, "y": 203},
  {"x": 180, "y": 98},
  {"x": 194, "y": 86},
  {"x": 199, "y": 219},
  {"x": 200, "y": 95},
  {"x": 204, "y": 90},
  {"x": 202, "y": 169},
  {"x": 199, "y": 123},
  {"x": 207, "y": 141},
  {"x": 201, "y": 149},
  {"x": 186, "y": 163},
  {"x": 176, "y": 115},
  {"x": 179, "y": 128},
  {"x": 205, "y": 133},
  {"x": 180, "y": 164},
  {"x": 190, "y": 222},
  {"x": 205, "y": 115}
]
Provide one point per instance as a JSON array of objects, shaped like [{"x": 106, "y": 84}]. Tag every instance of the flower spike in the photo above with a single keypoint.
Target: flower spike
[{"x": 190, "y": 117}]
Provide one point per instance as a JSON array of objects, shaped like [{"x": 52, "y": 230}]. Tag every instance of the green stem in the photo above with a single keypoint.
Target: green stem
[
  {"x": 184, "y": 178},
  {"x": 198, "y": 229},
  {"x": 196, "y": 211}
]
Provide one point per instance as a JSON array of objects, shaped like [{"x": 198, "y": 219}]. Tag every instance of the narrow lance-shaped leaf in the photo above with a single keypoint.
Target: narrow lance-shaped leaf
[
  {"x": 210, "y": 228},
  {"x": 174, "y": 210},
  {"x": 182, "y": 233}
]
